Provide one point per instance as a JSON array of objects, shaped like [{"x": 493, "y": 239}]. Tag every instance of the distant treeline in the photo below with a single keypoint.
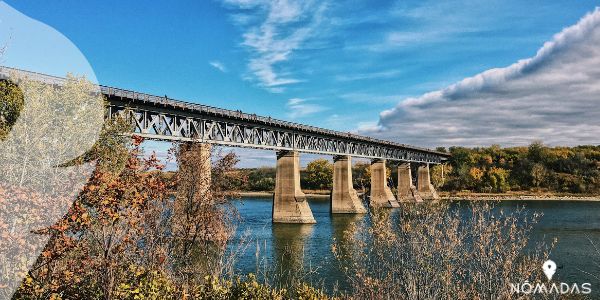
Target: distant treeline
[
  {"x": 490, "y": 169},
  {"x": 318, "y": 175},
  {"x": 537, "y": 167}
]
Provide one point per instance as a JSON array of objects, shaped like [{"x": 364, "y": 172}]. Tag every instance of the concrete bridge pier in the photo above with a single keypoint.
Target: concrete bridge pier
[
  {"x": 344, "y": 199},
  {"x": 424, "y": 185},
  {"x": 407, "y": 192},
  {"x": 381, "y": 194},
  {"x": 194, "y": 165},
  {"x": 289, "y": 202}
]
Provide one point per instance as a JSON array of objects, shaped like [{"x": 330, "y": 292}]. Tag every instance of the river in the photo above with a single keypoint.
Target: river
[{"x": 575, "y": 224}]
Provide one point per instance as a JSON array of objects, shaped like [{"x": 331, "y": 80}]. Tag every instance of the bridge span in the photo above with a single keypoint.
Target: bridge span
[{"x": 163, "y": 118}]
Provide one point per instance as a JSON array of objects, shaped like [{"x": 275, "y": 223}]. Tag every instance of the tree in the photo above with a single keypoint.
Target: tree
[
  {"x": 497, "y": 179},
  {"x": 125, "y": 224},
  {"x": 538, "y": 174},
  {"x": 537, "y": 152},
  {"x": 202, "y": 220},
  {"x": 361, "y": 175},
  {"x": 42, "y": 133},
  {"x": 261, "y": 179},
  {"x": 439, "y": 174},
  {"x": 319, "y": 174},
  {"x": 475, "y": 175}
]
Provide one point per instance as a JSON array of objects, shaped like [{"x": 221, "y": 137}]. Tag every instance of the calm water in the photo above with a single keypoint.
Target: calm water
[{"x": 573, "y": 223}]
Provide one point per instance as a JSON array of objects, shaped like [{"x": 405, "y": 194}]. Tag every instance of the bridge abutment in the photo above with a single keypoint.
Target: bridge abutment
[
  {"x": 381, "y": 194},
  {"x": 344, "y": 199},
  {"x": 289, "y": 202},
  {"x": 407, "y": 192},
  {"x": 425, "y": 188}
]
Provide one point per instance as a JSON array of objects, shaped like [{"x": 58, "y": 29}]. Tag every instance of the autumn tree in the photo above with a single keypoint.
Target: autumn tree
[
  {"x": 203, "y": 219},
  {"x": 42, "y": 132},
  {"x": 538, "y": 174}
]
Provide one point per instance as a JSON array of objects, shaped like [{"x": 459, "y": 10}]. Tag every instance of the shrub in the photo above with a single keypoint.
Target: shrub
[
  {"x": 140, "y": 283},
  {"x": 434, "y": 252}
]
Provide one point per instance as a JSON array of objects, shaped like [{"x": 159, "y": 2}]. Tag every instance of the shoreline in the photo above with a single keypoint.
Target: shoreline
[
  {"x": 520, "y": 197},
  {"x": 322, "y": 195},
  {"x": 314, "y": 195}
]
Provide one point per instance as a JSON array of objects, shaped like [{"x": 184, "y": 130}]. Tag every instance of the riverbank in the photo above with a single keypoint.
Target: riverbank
[
  {"x": 510, "y": 196},
  {"x": 516, "y": 196}
]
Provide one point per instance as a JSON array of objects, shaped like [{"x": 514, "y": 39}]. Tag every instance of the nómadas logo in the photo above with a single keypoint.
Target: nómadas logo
[{"x": 549, "y": 268}]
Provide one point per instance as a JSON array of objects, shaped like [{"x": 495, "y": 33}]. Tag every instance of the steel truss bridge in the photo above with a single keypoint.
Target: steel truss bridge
[{"x": 162, "y": 118}]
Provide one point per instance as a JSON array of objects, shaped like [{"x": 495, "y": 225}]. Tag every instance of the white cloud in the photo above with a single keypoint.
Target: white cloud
[
  {"x": 218, "y": 65},
  {"x": 553, "y": 96},
  {"x": 300, "y": 108},
  {"x": 370, "y": 98},
  {"x": 283, "y": 27},
  {"x": 367, "y": 126},
  {"x": 368, "y": 75}
]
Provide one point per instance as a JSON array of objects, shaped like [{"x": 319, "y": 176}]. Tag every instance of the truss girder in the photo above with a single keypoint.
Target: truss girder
[{"x": 174, "y": 127}]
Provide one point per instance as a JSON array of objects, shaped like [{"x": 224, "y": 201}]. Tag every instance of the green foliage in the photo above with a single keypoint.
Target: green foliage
[
  {"x": 215, "y": 288},
  {"x": 248, "y": 288},
  {"x": 438, "y": 173},
  {"x": 361, "y": 175},
  {"x": 495, "y": 169},
  {"x": 261, "y": 179},
  {"x": 143, "y": 284},
  {"x": 11, "y": 104},
  {"x": 55, "y": 290},
  {"x": 319, "y": 175},
  {"x": 498, "y": 179}
]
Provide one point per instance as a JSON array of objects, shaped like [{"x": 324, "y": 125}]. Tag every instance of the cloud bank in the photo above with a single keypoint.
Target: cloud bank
[{"x": 553, "y": 96}]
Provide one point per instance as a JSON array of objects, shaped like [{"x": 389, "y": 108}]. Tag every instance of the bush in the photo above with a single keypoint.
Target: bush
[
  {"x": 434, "y": 252},
  {"x": 248, "y": 288},
  {"x": 144, "y": 284}
]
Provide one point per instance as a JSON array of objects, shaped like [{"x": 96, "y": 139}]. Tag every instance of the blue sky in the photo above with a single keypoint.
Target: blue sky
[{"x": 344, "y": 65}]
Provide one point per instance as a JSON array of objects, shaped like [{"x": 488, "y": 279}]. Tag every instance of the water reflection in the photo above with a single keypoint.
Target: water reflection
[
  {"x": 289, "y": 247},
  {"x": 342, "y": 232},
  {"x": 340, "y": 223},
  {"x": 289, "y": 242}
]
